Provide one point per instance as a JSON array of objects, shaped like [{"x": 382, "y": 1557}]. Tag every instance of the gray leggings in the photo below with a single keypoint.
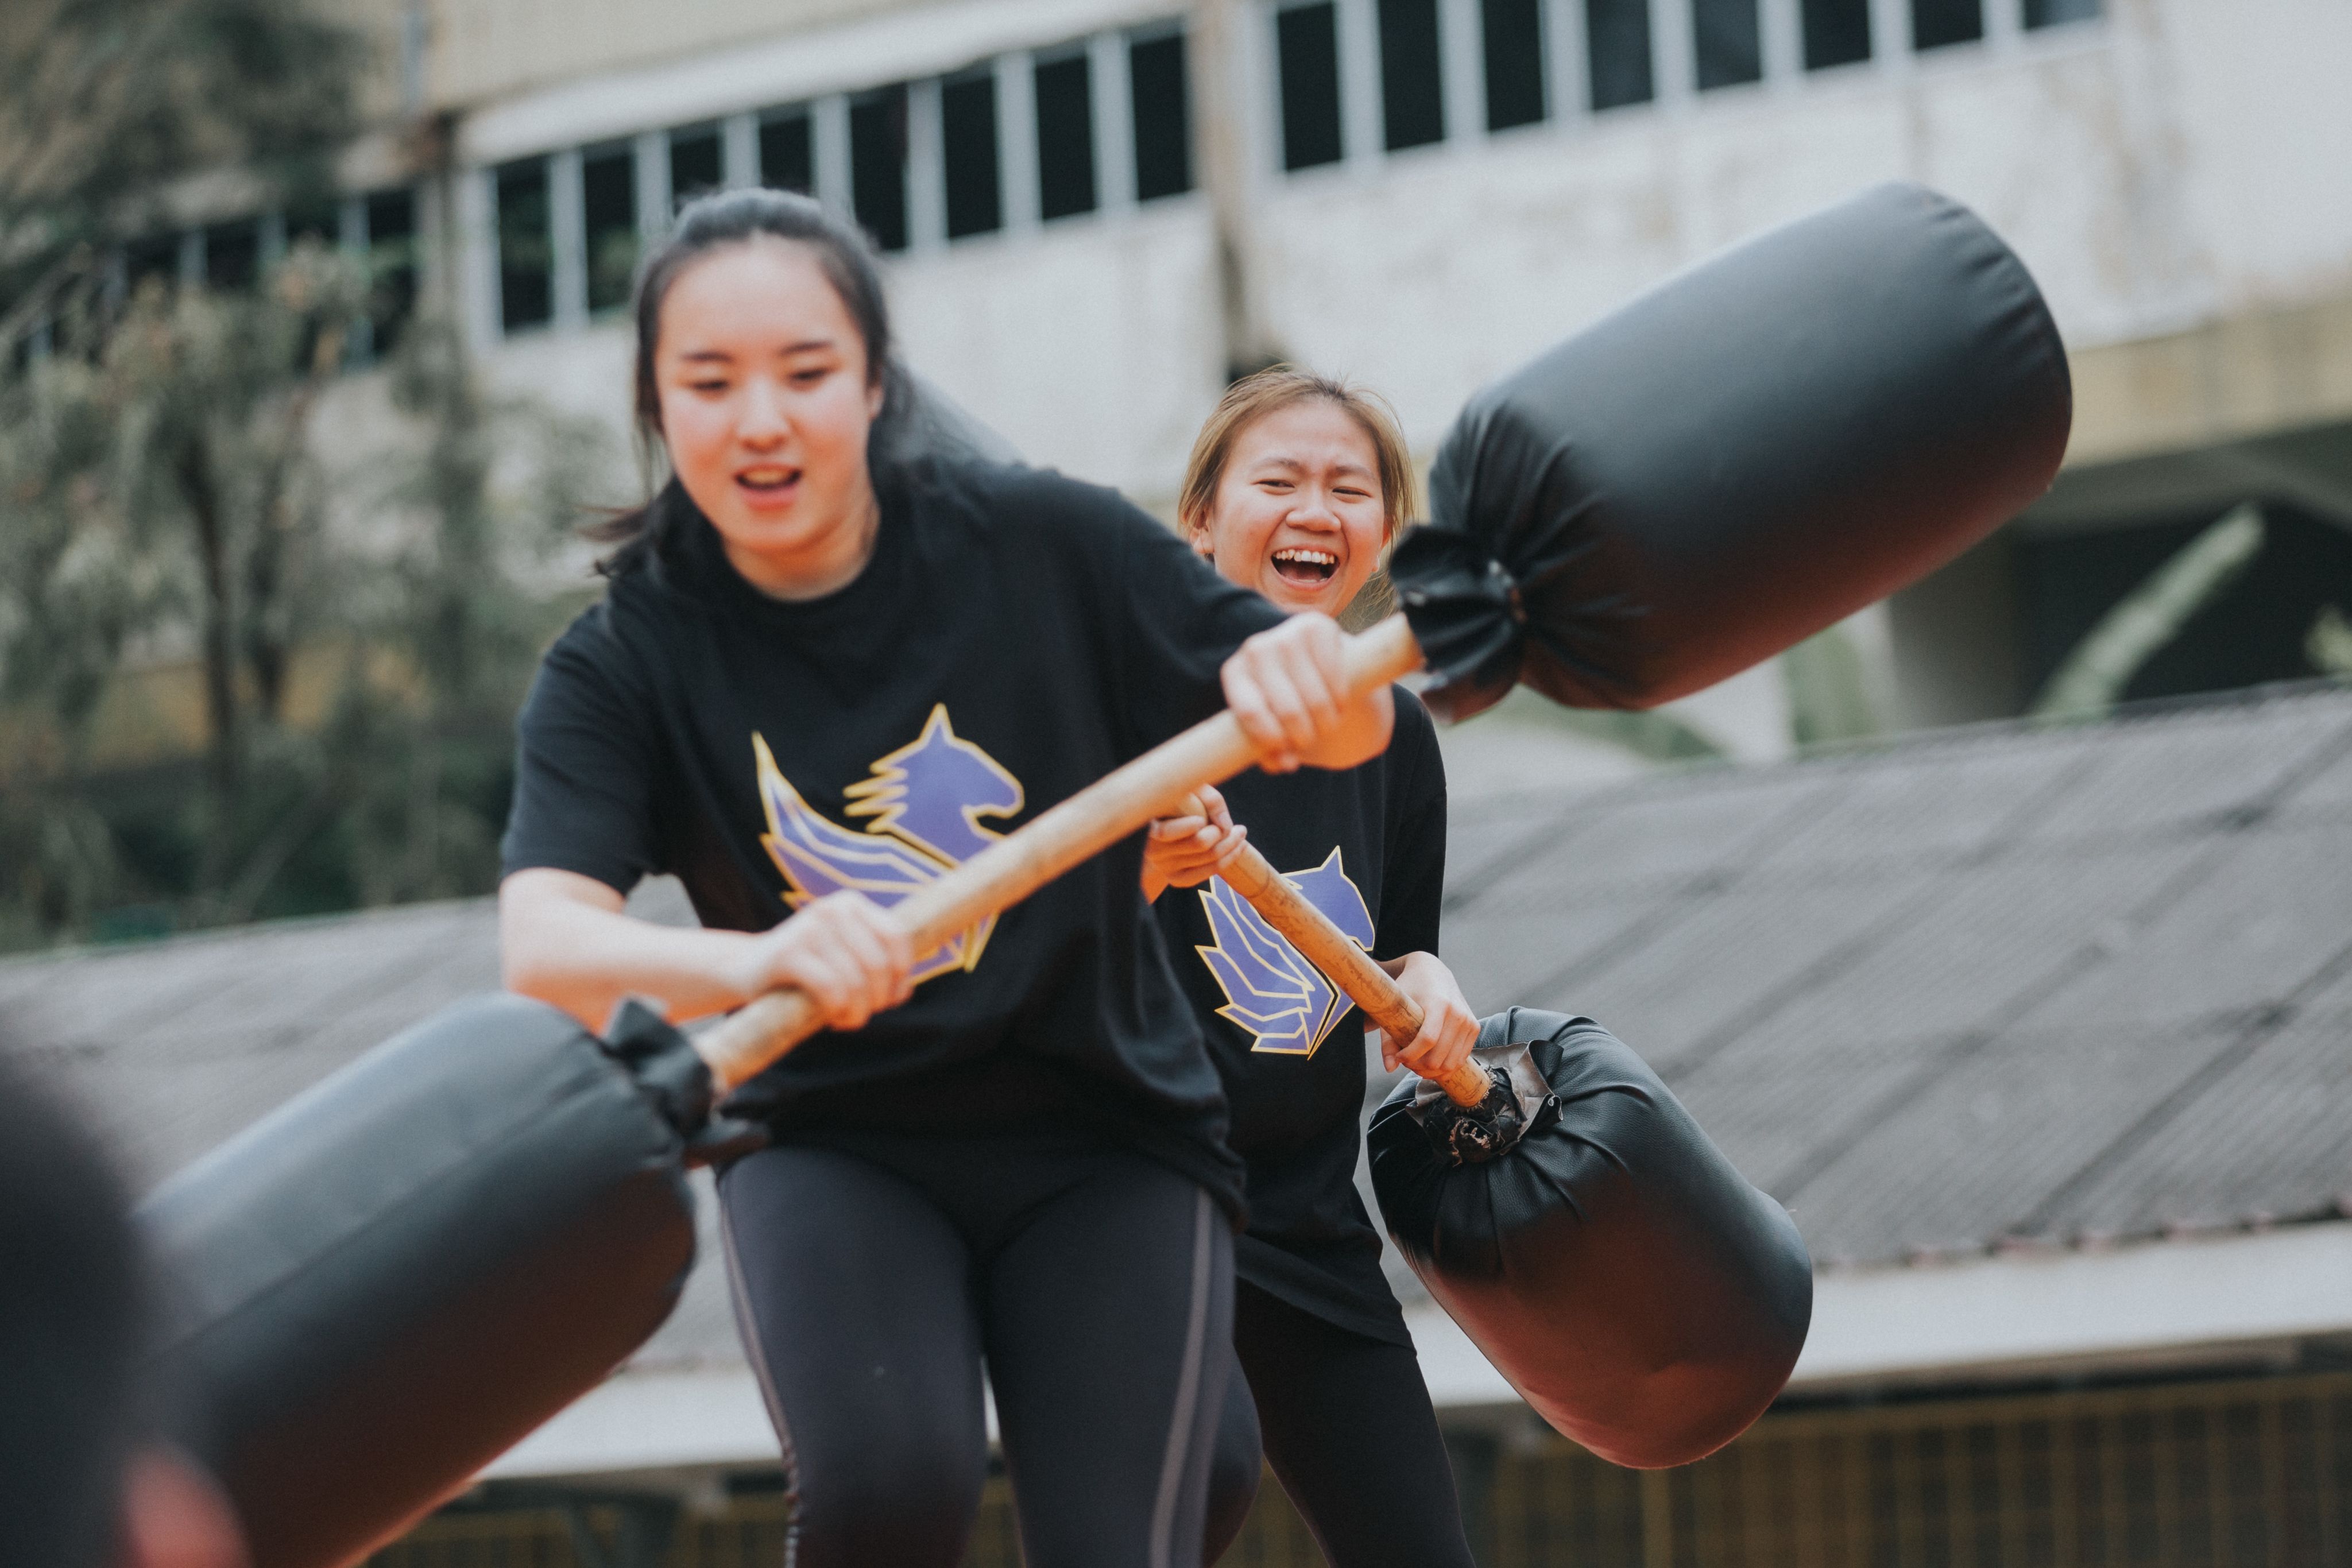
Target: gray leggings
[
  {"x": 870, "y": 1287},
  {"x": 1345, "y": 1421}
]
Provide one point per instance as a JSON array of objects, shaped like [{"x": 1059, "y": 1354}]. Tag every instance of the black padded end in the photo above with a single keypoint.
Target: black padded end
[
  {"x": 668, "y": 1070},
  {"x": 1466, "y": 613},
  {"x": 1472, "y": 1137},
  {"x": 1518, "y": 1102},
  {"x": 724, "y": 1140}
]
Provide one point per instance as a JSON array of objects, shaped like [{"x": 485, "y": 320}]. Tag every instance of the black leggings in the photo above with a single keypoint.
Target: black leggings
[
  {"x": 1095, "y": 1283},
  {"x": 1347, "y": 1425}
]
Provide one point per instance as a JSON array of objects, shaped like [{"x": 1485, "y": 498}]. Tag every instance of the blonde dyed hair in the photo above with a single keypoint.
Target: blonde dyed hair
[{"x": 1252, "y": 398}]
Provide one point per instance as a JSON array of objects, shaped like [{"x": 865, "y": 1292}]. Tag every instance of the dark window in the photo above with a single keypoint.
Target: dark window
[
  {"x": 968, "y": 151},
  {"x": 2049, "y": 13},
  {"x": 1617, "y": 51},
  {"x": 1413, "y": 92},
  {"x": 1162, "y": 103},
  {"x": 693, "y": 164},
  {"x": 787, "y": 155},
  {"x": 1513, "y": 30},
  {"x": 157, "y": 255},
  {"x": 1065, "y": 137},
  {"x": 526, "y": 253},
  {"x": 392, "y": 254},
  {"x": 1936, "y": 23},
  {"x": 878, "y": 164},
  {"x": 1308, "y": 40},
  {"x": 1726, "y": 44},
  {"x": 608, "y": 209},
  {"x": 317, "y": 218},
  {"x": 231, "y": 255},
  {"x": 1837, "y": 33}
]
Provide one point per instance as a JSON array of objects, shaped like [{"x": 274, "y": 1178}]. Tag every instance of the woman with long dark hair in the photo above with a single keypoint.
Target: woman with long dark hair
[{"x": 825, "y": 670}]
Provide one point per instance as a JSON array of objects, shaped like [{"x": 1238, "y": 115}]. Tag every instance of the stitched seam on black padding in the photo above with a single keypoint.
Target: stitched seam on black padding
[{"x": 1188, "y": 1392}]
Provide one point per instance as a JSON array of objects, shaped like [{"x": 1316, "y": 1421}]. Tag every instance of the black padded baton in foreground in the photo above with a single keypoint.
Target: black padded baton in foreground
[{"x": 392, "y": 1279}]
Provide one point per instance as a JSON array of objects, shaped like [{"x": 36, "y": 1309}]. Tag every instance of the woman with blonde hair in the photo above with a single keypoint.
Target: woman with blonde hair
[{"x": 1298, "y": 485}]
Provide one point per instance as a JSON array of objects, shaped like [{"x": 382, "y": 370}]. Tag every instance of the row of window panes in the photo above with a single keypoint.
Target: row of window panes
[
  {"x": 971, "y": 136},
  {"x": 1727, "y": 42},
  {"x": 379, "y": 227}
]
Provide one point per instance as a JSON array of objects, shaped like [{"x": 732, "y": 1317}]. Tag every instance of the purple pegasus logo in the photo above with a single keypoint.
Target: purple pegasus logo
[
  {"x": 1270, "y": 988},
  {"x": 926, "y": 799}
]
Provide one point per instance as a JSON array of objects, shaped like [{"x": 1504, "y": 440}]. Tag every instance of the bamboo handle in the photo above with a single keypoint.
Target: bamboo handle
[
  {"x": 1021, "y": 863},
  {"x": 1347, "y": 965}
]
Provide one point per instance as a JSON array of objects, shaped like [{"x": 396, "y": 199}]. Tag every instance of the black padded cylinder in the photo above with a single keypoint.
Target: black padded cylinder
[
  {"x": 389, "y": 1281},
  {"x": 1636, "y": 1290},
  {"x": 1748, "y": 453}
]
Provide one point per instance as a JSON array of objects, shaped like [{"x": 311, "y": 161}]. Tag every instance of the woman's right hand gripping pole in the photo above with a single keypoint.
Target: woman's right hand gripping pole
[
  {"x": 1288, "y": 688},
  {"x": 843, "y": 951}
]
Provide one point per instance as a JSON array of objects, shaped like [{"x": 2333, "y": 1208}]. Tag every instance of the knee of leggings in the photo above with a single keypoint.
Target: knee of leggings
[
  {"x": 886, "y": 1510},
  {"x": 1235, "y": 1463}
]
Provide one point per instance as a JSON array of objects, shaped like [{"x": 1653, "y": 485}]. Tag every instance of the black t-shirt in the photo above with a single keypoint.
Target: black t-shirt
[
  {"x": 1015, "y": 637},
  {"x": 1367, "y": 846}
]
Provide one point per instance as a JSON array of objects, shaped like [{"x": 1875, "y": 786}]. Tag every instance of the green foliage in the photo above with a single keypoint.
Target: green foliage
[
  {"x": 1829, "y": 694},
  {"x": 2328, "y": 643},
  {"x": 163, "y": 499},
  {"x": 2091, "y": 678}
]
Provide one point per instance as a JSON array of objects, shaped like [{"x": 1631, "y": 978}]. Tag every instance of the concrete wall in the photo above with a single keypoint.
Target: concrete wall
[
  {"x": 2173, "y": 173},
  {"x": 483, "y": 50},
  {"x": 2161, "y": 171}
]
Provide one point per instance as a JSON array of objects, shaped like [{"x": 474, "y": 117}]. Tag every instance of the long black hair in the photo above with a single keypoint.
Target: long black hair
[{"x": 738, "y": 217}]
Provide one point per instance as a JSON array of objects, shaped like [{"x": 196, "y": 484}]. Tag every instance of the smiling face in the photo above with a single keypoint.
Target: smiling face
[
  {"x": 1298, "y": 512},
  {"x": 766, "y": 401}
]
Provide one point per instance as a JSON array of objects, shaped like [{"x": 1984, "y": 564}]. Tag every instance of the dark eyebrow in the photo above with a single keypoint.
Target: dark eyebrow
[{"x": 720, "y": 356}]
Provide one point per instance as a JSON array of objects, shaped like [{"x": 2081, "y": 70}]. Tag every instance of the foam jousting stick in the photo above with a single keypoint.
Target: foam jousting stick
[
  {"x": 398, "y": 1274},
  {"x": 1741, "y": 457},
  {"x": 1280, "y": 903}
]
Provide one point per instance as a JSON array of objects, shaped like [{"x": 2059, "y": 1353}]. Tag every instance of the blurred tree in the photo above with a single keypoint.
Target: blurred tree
[
  {"x": 104, "y": 102},
  {"x": 358, "y": 639},
  {"x": 162, "y": 499}
]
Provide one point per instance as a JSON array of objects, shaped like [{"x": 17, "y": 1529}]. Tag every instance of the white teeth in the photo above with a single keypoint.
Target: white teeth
[
  {"x": 1312, "y": 557},
  {"x": 764, "y": 475}
]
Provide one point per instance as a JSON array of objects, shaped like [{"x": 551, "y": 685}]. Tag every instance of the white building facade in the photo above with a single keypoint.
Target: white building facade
[{"x": 1096, "y": 210}]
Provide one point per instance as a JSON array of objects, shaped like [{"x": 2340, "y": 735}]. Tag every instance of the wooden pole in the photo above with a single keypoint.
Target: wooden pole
[
  {"x": 1344, "y": 964},
  {"x": 1021, "y": 863}
]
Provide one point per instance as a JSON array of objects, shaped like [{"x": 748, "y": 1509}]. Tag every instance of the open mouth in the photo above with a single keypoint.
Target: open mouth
[
  {"x": 768, "y": 479},
  {"x": 1305, "y": 566}
]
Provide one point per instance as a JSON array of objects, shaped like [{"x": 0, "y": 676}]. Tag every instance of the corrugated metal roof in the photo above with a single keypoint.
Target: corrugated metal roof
[
  {"x": 1998, "y": 987},
  {"x": 1984, "y": 988}
]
